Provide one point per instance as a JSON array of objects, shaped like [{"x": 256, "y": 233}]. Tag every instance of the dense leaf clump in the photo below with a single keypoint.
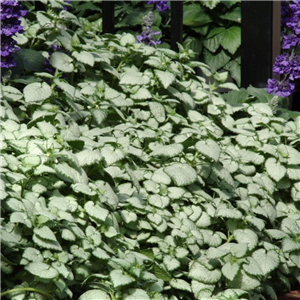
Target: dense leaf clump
[{"x": 133, "y": 179}]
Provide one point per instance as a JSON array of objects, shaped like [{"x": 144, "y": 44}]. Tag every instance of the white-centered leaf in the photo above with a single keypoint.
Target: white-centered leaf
[
  {"x": 94, "y": 294},
  {"x": 202, "y": 274},
  {"x": 230, "y": 270},
  {"x": 95, "y": 211},
  {"x": 165, "y": 78},
  {"x": 209, "y": 148},
  {"x": 267, "y": 260},
  {"x": 180, "y": 284},
  {"x": 168, "y": 150},
  {"x": 171, "y": 263},
  {"x": 62, "y": 62},
  {"x": 37, "y": 91},
  {"x": 41, "y": 270},
  {"x": 182, "y": 174},
  {"x": 246, "y": 236},
  {"x": 84, "y": 57},
  {"x": 88, "y": 157},
  {"x": 275, "y": 169},
  {"x": 137, "y": 294},
  {"x": 119, "y": 278},
  {"x": 158, "y": 111}
]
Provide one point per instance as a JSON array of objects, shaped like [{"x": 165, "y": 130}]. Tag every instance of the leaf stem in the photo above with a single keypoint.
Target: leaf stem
[{"x": 28, "y": 290}]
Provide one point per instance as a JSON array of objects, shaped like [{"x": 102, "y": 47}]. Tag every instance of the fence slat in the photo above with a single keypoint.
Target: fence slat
[
  {"x": 259, "y": 45},
  {"x": 176, "y": 24},
  {"x": 108, "y": 25}
]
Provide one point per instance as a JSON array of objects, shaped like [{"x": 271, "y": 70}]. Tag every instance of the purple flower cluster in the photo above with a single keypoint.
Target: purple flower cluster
[
  {"x": 146, "y": 36},
  {"x": 160, "y": 5},
  {"x": 11, "y": 12},
  {"x": 287, "y": 64}
]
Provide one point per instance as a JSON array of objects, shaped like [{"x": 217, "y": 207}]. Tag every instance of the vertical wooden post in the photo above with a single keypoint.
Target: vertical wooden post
[
  {"x": 260, "y": 41},
  {"x": 176, "y": 24},
  {"x": 108, "y": 25}
]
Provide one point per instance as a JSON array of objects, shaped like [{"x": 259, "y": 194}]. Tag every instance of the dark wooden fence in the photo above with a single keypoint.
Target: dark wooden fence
[{"x": 260, "y": 36}]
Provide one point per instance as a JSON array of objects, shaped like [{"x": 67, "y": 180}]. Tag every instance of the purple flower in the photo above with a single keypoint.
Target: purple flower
[
  {"x": 11, "y": 12},
  {"x": 282, "y": 88},
  {"x": 160, "y": 5},
  {"x": 146, "y": 36},
  {"x": 289, "y": 41}
]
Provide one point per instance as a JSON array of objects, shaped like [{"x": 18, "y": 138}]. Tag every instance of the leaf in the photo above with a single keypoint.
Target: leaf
[
  {"x": 120, "y": 278},
  {"x": 94, "y": 294},
  {"x": 37, "y": 91},
  {"x": 159, "y": 176},
  {"x": 275, "y": 170},
  {"x": 99, "y": 115},
  {"x": 84, "y": 57},
  {"x": 165, "y": 78},
  {"x": 231, "y": 39},
  {"x": 41, "y": 270},
  {"x": 230, "y": 270},
  {"x": 45, "y": 233},
  {"x": 267, "y": 260},
  {"x": 132, "y": 78},
  {"x": 246, "y": 236},
  {"x": 202, "y": 274},
  {"x": 216, "y": 61},
  {"x": 136, "y": 294},
  {"x": 195, "y": 16},
  {"x": 229, "y": 213},
  {"x": 213, "y": 43},
  {"x": 211, "y": 3},
  {"x": 62, "y": 62},
  {"x": 142, "y": 94},
  {"x": 209, "y": 148},
  {"x": 95, "y": 211},
  {"x": 171, "y": 263},
  {"x": 244, "y": 281},
  {"x": 158, "y": 111},
  {"x": 253, "y": 268},
  {"x": 180, "y": 284},
  {"x": 31, "y": 59},
  {"x": 88, "y": 157},
  {"x": 168, "y": 150},
  {"x": 181, "y": 174},
  {"x": 101, "y": 254}
]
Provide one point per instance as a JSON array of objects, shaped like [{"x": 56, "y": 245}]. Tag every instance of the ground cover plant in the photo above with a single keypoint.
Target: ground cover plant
[
  {"x": 212, "y": 29},
  {"x": 124, "y": 175}
]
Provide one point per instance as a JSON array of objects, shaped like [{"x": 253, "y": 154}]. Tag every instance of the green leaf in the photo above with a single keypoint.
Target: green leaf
[
  {"x": 84, "y": 57},
  {"x": 32, "y": 60},
  {"x": 120, "y": 278},
  {"x": 213, "y": 43},
  {"x": 10, "y": 93},
  {"x": 101, "y": 254},
  {"x": 202, "y": 274},
  {"x": 181, "y": 174},
  {"x": 209, "y": 148},
  {"x": 230, "y": 270},
  {"x": 229, "y": 213},
  {"x": 180, "y": 284},
  {"x": 127, "y": 39},
  {"x": 231, "y": 39},
  {"x": 62, "y": 62},
  {"x": 37, "y": 91},
  {"x": 41, "y": 270},
  {"x": 194, "y": 15},
  {"x": 275, "y": 170},
  {"x": 216, "y": 61},
  {"x": 45, "y": 233},
  {"x": 165, "y": 78},
  {"x": 99, "y": 115}
]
